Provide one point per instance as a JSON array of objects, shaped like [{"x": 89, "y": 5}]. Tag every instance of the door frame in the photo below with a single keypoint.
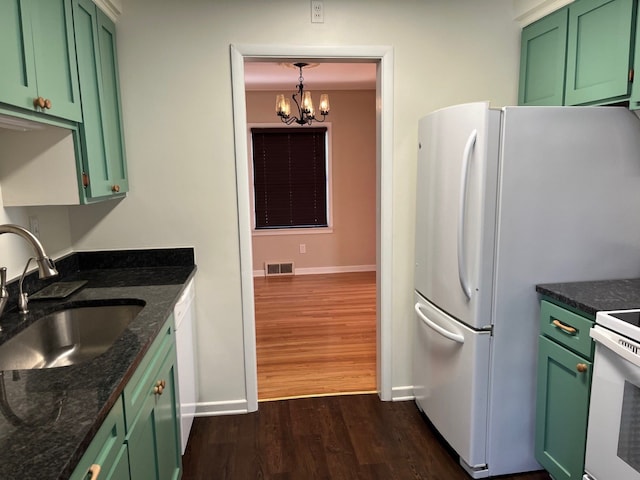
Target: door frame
[{"x": 383, "y": 57}]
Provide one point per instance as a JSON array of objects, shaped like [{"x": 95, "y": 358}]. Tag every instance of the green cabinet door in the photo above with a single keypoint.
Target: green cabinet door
[
  {"x": 599, "y": 51},
  {"x": 562, "y": 406},
  {"x": 634, "y": 100},
  {"x": 18, "y": 73},
  {"x": 543, "y": 47},
  {"x": 107, "y": 450},
  {"x": 153, "y": 439},
  {"x": 55, "y": 57},
  {"x": 167, "y": 422},
  {"x": 38, "y": 58},
  {"x": 102, "y": 145},
  {"x": 141, "y": 441},
  {"x": 111, "y": 106}
]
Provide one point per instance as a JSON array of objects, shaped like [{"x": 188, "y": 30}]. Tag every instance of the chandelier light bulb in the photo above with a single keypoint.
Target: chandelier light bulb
[{"x": 324, "y": 104}]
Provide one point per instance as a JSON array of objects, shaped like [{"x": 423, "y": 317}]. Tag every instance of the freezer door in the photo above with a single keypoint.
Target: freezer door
[
  {"x": 455, "y": 210},
  {"x": 451, "y": 378}
]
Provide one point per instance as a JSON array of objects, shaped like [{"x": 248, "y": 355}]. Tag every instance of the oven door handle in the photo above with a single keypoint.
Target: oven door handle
[{"x": 618, "y": 344}]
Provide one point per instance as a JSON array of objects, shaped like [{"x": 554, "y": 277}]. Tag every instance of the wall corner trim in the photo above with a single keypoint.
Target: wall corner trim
[{"x": 528, "y": 11}]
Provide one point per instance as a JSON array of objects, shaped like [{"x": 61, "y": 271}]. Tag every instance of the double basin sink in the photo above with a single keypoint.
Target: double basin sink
[{"x": 67, "y": 337}]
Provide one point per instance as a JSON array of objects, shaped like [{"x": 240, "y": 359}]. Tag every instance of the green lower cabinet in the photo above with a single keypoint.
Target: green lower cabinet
[
  {"x": 562, "y": 407},
  {"x": 142, "y": 444},
  {"x": 153, "y": 439},
  {"x": 166, "y": 417},
  {"x": 140, "y": 438},
  {"x": 107, "y": 450},
  {"x": 599, "y": 51}
]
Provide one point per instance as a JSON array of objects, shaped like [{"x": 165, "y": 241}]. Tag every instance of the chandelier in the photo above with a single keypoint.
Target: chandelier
[{"x": 306, "y": 112}]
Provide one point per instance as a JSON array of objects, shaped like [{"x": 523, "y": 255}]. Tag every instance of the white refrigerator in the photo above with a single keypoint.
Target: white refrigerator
[{"x": 507, "y": 199}]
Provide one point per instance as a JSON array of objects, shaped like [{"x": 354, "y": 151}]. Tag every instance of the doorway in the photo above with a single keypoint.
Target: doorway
[{"x": 383, "y": 57}]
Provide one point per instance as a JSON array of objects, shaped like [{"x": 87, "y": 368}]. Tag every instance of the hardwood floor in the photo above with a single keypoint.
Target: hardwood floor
[
  {"x": 315, "y": 334},
  {"x": 342, "y": 437}
]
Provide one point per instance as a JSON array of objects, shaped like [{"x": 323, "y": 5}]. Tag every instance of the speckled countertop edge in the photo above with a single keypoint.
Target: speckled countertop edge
[
  {"x": 55, "y": 413},
  {"x": 595, "y": 296}
]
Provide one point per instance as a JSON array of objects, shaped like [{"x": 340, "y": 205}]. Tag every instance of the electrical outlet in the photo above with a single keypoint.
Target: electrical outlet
[
  {"x": 303, "y": 248},
  {"x": 317, "y": 11},
  {"x": 34, "y": 226}
]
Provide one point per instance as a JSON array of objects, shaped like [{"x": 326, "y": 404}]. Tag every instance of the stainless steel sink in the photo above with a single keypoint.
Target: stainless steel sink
[{"x": 67, "y": 337}]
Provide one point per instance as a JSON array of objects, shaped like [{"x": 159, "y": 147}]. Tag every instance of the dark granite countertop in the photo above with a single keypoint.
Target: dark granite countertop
[
  {"x": 596, "y": 296},
  {"x": 49, "y": 416}
]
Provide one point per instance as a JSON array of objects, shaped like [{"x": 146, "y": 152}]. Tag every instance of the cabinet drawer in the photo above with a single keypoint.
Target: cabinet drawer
[
  {"x": 567, "y": 328},
  {"x": 106, "y": 448},
  {"x": 136, "y": 391}
]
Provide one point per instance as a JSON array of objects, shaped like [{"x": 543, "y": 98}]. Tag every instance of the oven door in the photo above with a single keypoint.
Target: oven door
[{"x": 613, "y": 438}]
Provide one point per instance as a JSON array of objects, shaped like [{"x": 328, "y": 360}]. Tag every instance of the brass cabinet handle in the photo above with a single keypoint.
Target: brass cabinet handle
[
  {"x": 563, "y": 327},
  {"x": 115, "y": 188},
  {"x": 94, "y": 471},
  {"x": 582, "y": 367},
  {"x": 47, "y": 103}
]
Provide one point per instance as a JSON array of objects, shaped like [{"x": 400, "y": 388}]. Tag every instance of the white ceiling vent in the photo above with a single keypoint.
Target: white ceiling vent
[{"x": 272, "y": 269}]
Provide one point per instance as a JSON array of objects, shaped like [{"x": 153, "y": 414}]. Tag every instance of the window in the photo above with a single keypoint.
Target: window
[{"x": 290, "y": 177}]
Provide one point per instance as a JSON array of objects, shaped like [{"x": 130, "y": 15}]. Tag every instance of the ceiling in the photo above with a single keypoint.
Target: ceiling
[{"x": 328, "y": 76}]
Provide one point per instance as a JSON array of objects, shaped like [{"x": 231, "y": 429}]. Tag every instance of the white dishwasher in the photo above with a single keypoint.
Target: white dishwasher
[{"x": 185, "y": 317}]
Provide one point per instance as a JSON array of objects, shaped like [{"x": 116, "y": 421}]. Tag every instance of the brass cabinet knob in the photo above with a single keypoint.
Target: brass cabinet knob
[
  {"x": 42, "y": 103},
  {"x": 582, "y": 367},
  {"x": 159, "y": 387},
  {"x": 115, "y": 188}
]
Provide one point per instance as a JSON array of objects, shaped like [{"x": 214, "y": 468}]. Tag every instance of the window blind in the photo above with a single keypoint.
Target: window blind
[{"x": 290, "y": 177}]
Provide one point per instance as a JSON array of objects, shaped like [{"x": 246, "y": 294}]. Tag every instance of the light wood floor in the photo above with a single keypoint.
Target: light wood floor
[{"x": 315, "y": 334}]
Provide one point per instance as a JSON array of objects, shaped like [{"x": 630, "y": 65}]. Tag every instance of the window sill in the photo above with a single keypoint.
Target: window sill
[{"x": 292, "y": 231}]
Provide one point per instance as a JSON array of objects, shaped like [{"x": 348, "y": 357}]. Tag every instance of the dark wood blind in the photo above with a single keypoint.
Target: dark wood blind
[{"x": 290, "y": 177}]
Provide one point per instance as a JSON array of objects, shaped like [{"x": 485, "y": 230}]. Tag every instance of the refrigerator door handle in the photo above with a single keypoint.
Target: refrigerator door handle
[
  {"x": 456, "y": 337},
  {"x": 462, "y": 261}
]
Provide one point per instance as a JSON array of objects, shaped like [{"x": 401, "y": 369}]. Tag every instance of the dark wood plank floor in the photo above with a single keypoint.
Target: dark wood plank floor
[{"x": 342, "y": 437}]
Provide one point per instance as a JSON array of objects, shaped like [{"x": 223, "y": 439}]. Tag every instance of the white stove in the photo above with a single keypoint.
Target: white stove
[{"x": 613, "y": 437}]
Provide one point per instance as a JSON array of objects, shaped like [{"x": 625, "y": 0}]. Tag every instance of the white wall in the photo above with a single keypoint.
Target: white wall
[
  {"x": 176, "y": 90},
  {"x": 55, "y": 236}
]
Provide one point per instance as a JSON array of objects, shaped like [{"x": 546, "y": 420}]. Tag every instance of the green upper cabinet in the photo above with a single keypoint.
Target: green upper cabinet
[
  {"x": 634, "y": 101},
  {"x": 599, "y": 51},
  {"x": 542, "y": 60},
  {"x": 103, "y": 155},
  {"x": 38, "y": 58}
]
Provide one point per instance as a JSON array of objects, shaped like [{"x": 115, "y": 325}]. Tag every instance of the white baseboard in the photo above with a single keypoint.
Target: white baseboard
[
  {"x": 402, "y": 394},
  {"x": 324, "y": 270},
  {"x": 231, "y": 407}
]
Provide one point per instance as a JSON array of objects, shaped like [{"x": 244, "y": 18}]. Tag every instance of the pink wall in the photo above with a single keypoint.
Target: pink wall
[{"x": 353, "y": 240}]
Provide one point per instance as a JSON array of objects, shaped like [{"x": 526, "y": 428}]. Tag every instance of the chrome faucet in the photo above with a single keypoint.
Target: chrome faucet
[{"x": 46, "y": 267}]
